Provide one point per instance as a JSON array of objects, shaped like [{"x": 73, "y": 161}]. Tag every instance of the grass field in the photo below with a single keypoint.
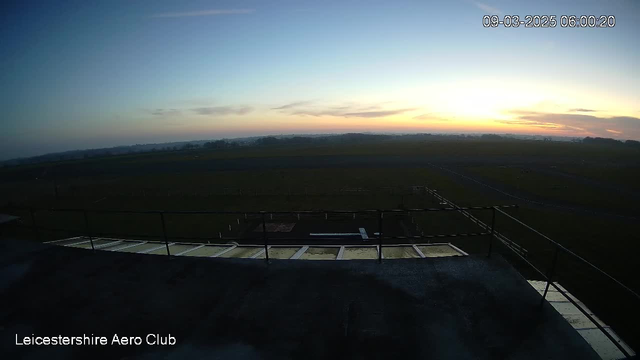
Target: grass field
[{"x": 584, "y": 196}]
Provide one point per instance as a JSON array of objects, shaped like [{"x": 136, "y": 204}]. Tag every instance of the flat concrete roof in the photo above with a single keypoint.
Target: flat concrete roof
[{"x": 437, "y": 308}]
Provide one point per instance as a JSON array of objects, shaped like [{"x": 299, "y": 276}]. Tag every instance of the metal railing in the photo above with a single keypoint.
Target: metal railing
[
  {"x": 489, "y": 230},
  {"x": 550, "y": 273},
  {"x": 372, "y": 213},
  {"x": 522, "y": 253}
]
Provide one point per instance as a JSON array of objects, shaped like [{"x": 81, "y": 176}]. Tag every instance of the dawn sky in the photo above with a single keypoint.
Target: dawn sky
[{"x": 82, "y": 74}]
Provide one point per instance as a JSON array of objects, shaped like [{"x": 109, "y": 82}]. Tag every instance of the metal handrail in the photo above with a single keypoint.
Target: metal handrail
[
  {"x": 380, "y": 237},
  {"x": 260, "y": 212},
  {"x": 549, "y": 278},
  {"x": 561, "y": 247}
]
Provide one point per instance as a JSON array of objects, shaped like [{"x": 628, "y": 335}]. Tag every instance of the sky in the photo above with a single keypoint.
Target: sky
[{"x": 85, "y": 74}]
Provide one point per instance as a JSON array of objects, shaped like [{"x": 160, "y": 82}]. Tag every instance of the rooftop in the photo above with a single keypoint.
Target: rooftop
[{"x": 440, "y": 307}]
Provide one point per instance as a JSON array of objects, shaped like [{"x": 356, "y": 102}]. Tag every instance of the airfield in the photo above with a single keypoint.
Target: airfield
[{"x": 583, "y": 196}]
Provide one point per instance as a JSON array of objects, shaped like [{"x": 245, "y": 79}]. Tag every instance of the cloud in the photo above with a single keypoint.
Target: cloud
[
  {"x": 213, "y": 12},
  {"x": 165, "y": 112},
  {"x": 523, "y": 112},
  {"x": 489, "y": 10},
  {"x": 292, "y": 105},
  {"x": 223, "y": 110},
  {"x": 307, "y": 108},
  {"x": 539, "y": 124},
  {"x": 376, "y": 114},
  {"x": 343, "y": 113},
  {"x": 590, "y": 124},
  {"x": 311, "y": 112},
  {"x": 582, "y": 110}
]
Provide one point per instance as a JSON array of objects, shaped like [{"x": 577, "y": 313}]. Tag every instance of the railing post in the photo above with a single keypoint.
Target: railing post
[
  {"x": 33, "y": 223},
  {"x": 164, "y": 233},
  {"x": 88, "y": 231},
  {"x": 379, "y": 236},
  {"x": 266, "y": 240},
  {"x": 493, "y": 228},
  {"x": 550, "y": 275}
]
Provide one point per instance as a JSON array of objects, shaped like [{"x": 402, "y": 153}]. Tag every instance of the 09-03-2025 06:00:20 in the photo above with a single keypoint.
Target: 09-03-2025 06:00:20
[{"x": 550, "y": 21}]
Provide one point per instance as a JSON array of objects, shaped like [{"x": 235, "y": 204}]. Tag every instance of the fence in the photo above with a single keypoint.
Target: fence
[
  {"x": 45, "y": 188},
  {"x": 548, "y": 275},
  {"x": 379, "y": 214}
]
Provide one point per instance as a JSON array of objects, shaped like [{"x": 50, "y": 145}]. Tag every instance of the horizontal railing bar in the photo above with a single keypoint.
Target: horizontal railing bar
[
  {"x": 224, "y": 212},
  {"x": 258, "y": 240}
]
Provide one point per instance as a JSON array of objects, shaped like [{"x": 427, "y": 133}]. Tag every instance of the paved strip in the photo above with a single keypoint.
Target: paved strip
[
  {"x": 224, "y": 251},
  {"x": 189, "y": 250},
  {"x": 61, "y": 240},
  {"x": 128, "y": 246},
  {"x": 153, "y": 249},
  {"x": 585, "y": 327},
  {"x": 113, "y": 243}
]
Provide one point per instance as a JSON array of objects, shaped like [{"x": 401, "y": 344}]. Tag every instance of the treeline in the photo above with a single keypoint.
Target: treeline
[
  {"x": 350, "y": 138},
  {"x": 611, "y": 142}
]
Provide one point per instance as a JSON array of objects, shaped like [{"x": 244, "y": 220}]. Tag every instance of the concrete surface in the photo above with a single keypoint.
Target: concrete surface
[
  {"x": 438, "y": 308},
  {"x": 585, "y": 327}
]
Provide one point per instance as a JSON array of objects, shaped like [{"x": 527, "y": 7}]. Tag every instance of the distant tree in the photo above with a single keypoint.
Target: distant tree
[
  {"x": 219, "y": 144},
  {"x": 267, "y": 141},
  {"x": 188, "y": 146},
  {"x": 491, "y": 137},
  {"x": 601, "y": 141},
  {"x": 632, "y": 143}
]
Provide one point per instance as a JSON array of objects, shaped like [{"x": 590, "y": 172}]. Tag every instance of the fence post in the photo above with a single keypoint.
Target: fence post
[
  {"x": 493, "y": 228},
  {"x": 379, "y": 236},
  {"x": 88, "y": 231},
  {"x": 264, "y": 237},
  {"x": 550, "y": 274},
  {"x": 164, "y": 233}
]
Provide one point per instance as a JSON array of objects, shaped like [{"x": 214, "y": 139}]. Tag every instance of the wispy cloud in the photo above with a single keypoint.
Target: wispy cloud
[
  {"x": 376, "y": 114},
  {"x": 212, "y": 12},
  {"x": 626, "y": 126},
  {"x": 488, "y": 9},
  {"x": 310, "y": 108},
  {"x": 165, "y": 112},
  {"x": 292, "y": 105},
  {"x": 539, "y": 124},
  {"x": 582, "y": 110},
  {"x": 223, "y": 110}
]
